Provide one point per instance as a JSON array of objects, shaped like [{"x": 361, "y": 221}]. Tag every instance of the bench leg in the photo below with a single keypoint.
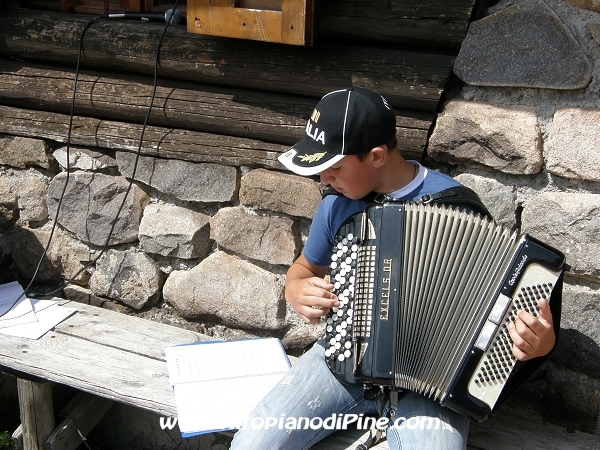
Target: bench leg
[
  {"x": 81, "y": 416},
  {"x": 37, "y": 412}
]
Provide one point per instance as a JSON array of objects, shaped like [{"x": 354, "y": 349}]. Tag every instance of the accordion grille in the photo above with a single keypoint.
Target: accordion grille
[{"x": 452, "y": 265}]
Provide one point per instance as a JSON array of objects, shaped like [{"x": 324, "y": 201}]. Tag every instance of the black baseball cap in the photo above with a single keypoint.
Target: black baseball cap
[{"x": 344, "y": 122}]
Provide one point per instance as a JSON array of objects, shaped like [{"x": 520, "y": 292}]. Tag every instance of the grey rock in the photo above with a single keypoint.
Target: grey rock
[
  {"x": 91, "y": 203},
  {"x": 230, "y": 290},
  {"x": 499, "y": 199},
  {"x": 9, "y": 211},
  {"x": 184, "y": 180},
  {"x": 569, "y": 222},
  {"x": 131, "y": 278},
  {"x": 170, "y": 230},
  {"x": 499, "y": 138},
  {"x": 525, "y": 45},
  {"x": 594, "y": 29},
  {"x": 274, "y": 240},
  {"x": 22, "y": 152},
  {"x": 571, "y": 398},
  {"x": 578, "y": 345},
  {"x": 279, "y": 192},
  {"x": 303, "y": 335},
  {"x": 572, "y": 144},
  {"x": 64, "y": 259},
  {"x": 31, "y": 193},
  {"x": 83, "y": 159}
]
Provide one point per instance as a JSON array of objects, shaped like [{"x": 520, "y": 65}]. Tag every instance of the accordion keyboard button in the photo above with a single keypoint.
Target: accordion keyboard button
[{"x": 343, "y": 270}]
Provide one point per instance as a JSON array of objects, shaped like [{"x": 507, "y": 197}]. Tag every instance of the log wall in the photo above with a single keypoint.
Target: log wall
[{"x": 230, "y": 87}]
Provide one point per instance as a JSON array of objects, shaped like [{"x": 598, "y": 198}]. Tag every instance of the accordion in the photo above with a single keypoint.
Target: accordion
[{"x": 426, "y": 293}]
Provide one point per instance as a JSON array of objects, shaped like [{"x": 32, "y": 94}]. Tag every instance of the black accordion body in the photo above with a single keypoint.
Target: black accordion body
[{"x": 426, "y": 293}]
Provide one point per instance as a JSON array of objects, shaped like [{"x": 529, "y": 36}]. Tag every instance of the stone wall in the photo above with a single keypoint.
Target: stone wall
[
  {"x": 202, "y": 245},
  {"x": 520, "y": 126},
  {"x": 206, "y": 246}
]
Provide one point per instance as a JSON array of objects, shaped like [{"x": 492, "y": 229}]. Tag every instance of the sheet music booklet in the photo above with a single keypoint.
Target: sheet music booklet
[{"x": 218, "y": 383}]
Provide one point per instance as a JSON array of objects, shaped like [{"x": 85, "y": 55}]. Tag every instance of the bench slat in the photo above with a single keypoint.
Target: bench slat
[
  {"x": 103, "y": 371},
  {"x": 132, "y": 334}
]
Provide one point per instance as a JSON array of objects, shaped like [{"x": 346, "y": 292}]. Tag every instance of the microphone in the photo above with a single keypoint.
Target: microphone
[{"x": 171, "y": 16}]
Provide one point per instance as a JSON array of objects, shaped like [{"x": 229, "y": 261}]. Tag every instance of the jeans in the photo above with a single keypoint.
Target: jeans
[{"x": 310, "y": 391}]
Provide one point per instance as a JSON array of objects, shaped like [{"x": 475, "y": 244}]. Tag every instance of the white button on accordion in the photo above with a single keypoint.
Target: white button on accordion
[{"x": 426, "y": 293}]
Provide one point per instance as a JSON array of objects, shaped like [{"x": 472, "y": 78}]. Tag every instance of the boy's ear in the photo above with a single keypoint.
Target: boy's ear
[{"x": 379, "y": 156}]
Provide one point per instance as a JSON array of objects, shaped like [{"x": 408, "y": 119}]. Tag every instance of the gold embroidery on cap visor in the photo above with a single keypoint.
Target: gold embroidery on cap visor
[{"x": 311, "y": 158}]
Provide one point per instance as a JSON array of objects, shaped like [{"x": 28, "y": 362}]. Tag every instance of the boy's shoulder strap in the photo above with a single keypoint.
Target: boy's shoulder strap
[
  {"x": 458, "y": 196},
  {"x": 454, "y": 196}
]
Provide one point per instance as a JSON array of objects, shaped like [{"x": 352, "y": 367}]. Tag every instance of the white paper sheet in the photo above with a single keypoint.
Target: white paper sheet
[
  {"x": 14, "y": 312},
  {"x": 217, "y": 384},
  {"x": 49, "y": 314}
]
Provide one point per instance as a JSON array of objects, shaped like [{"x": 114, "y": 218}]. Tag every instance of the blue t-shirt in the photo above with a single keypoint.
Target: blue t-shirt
[{"x": 335, "y": 209}]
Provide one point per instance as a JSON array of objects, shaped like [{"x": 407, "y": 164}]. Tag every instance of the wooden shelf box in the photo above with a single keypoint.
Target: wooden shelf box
[{"x": 282, "y": 21}]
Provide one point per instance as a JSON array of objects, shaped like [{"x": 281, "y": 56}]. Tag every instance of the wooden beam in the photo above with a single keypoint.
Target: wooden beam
[
  {"x": 158, "y": 141},
  {"x": 82, "y": 414},
  {"x": 434, "y": 23},
  {"x": 268, "y": 117},
  {"x": 408, "y": 78}
]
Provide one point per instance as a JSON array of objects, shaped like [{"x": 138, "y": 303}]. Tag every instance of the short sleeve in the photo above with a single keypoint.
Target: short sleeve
[{"x": 330, "y": 215}]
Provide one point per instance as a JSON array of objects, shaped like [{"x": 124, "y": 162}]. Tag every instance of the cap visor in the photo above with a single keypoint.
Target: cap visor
[{"x": 307, "y": 167}]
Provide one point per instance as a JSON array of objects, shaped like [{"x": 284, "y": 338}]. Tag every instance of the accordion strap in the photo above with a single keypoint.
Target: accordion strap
[
  {"x": 381, "y": 394},
  {"x": 459, "y": 196}
]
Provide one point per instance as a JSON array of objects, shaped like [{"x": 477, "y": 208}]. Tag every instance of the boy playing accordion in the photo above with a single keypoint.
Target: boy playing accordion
[{"x": 350, "y": 142}]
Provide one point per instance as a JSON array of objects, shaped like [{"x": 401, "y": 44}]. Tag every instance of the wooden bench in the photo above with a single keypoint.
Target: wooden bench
[
  {"x": 110, "y": 356},
  {"x": 105, "y": 353}
]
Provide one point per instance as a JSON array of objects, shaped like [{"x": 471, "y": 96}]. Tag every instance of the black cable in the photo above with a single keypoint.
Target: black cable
[
  {"x": 26, "y": 291},
  {"x": 137, "y": 156}
]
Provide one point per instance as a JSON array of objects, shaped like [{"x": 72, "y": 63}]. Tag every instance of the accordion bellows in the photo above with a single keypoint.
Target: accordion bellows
[{"x": 426, "y": 293}]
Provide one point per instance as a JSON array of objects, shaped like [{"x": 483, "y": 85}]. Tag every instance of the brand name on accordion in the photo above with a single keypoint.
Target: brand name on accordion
[
  {"x": 518, "y": 270},
  {"x": 385, "y": 290}
]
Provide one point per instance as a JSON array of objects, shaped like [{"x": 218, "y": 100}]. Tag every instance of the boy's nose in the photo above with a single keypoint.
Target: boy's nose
[{"x": 326, "y": 177}]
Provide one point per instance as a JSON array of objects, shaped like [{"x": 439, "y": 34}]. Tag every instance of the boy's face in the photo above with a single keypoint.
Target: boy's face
[{"x": 351, "y": 177}]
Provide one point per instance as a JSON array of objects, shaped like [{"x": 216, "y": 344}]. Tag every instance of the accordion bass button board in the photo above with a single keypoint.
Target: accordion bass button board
[
  {"x": 497, "y": 362},
  {"x": 426, "y": 295}
]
